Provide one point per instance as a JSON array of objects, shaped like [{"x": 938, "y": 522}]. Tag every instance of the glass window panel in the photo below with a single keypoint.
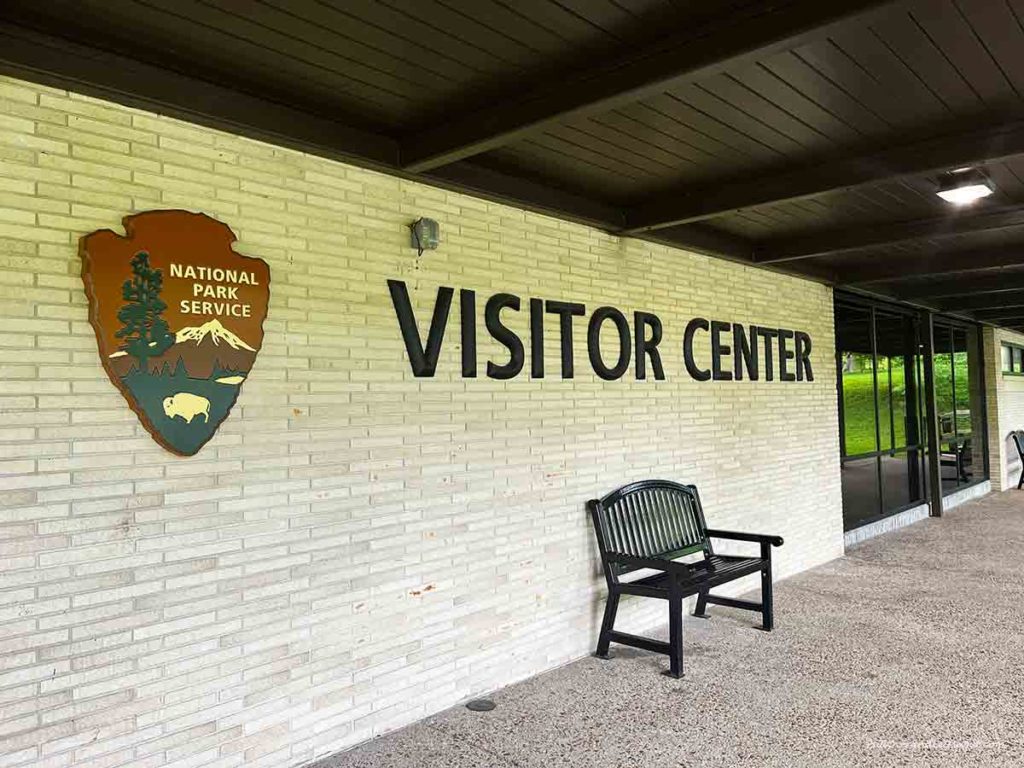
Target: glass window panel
[
  {"x": 856, "y": 366},
  {"x": 896, "y": 342},
  {"x": 1018, "y": 362},
  {"x": 887, "y": 405},
  {"x": 880, "y": 367},
  {"x": 902, "y": 480},
  {"x": 961, "y": 407},
  {"x": 861, "y": 501},
  {"x": 1007, "y": 358},
  {"x": 944, "y": 372}
]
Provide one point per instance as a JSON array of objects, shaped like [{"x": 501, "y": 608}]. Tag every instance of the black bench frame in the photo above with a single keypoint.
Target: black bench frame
[
  {"x": 1018, "y": 441},
  {"x": 651, "y": 524}
]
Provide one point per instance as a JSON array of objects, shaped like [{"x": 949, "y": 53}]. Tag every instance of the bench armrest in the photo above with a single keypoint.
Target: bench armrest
[
  {"x": 669, "y": 566},
  {"x": 775, "y": 541}
]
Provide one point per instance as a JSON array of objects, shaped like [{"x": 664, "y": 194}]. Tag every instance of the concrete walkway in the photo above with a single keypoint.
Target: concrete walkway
[{"x": 909, "y": 651}]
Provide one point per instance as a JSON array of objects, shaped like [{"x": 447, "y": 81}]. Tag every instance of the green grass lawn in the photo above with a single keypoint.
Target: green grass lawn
[
  {"x": 858, "y": 403},
  {"x": 859, "y": 410}
]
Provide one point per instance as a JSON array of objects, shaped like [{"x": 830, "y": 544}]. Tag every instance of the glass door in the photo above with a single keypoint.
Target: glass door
[
  {"x": 880, "y": 411},
  {"x": 960, "y": 406}
]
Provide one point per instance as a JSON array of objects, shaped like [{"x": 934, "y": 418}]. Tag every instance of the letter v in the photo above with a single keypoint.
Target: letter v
[{"x": 423, "y": 363}]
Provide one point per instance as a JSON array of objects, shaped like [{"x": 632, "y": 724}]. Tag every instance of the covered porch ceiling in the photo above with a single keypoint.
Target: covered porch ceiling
[{"x": 805, "y": 136}]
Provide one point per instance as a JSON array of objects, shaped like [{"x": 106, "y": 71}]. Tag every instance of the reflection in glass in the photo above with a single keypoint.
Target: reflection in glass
[
  {"x": 857, "y": 371},
  {"x": 901, "y": 480},
  {"x": 861, "y": 498},
  {"x": 960, "y": 406}
]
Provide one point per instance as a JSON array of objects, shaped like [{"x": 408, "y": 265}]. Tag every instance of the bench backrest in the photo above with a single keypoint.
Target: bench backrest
[{"x": 651, "y": 518}]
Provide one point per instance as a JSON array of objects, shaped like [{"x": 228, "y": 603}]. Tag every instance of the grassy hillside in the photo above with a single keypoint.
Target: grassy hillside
[{"x": 858, "y": 396}]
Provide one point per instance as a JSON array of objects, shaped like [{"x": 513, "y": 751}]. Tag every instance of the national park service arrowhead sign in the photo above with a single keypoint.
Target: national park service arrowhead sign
[{"x": 178, "y": 315}]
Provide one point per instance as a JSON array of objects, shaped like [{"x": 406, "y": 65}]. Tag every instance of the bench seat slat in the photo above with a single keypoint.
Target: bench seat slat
[{"x": 726, "y": 568}]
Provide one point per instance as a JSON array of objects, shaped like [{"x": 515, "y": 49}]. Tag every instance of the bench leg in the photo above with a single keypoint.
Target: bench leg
[
  {"x": 701, "y": 611},
  {"x": 767, "y": 612},
  {"x": 611, "y": 607},
  {"x": 675, "y": 630}
]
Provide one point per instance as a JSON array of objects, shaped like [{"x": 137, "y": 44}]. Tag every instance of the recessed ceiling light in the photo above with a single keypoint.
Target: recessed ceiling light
[{"x": 964, "y": 186}]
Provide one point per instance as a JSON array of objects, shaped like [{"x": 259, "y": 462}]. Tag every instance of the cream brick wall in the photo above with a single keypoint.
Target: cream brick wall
[
  {"x": 1005, "y": 396},
  {"x": 356, "y": 548}
]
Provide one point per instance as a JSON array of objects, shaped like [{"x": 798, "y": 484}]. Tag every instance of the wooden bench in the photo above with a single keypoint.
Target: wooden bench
[{"x": 650, "y": 525}]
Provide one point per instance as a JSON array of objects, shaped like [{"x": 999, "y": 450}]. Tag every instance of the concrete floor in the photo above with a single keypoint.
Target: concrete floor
[{"x": 909, "y": 651}]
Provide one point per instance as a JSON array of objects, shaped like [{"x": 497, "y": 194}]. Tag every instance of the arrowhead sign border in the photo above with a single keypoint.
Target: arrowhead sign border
[{"x": 178, "y": 316}]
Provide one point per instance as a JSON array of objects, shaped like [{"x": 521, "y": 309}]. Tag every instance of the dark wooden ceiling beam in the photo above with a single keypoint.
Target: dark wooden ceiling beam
[
  {"x": 999, "y": 315},
  {"x": 701, "y": 238},
  {"x": 707, "y": 240},
  {"x": 767, "y": 28},
  {"x": 863, "y": 237},
  {"x": 826, "y": 175},
  {"x": 892, "y": 268},
  {"x": 961, "y": 285},
  {"x": 1009, "y": 322},
  {"x": 981, "y": 301},
  {"x": 475, "y": 179}
]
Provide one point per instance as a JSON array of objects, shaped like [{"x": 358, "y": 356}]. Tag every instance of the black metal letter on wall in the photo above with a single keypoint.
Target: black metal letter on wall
[{"x": 735, "y": 350}]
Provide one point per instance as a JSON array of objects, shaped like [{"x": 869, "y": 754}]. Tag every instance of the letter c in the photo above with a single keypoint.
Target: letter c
[{"x": 698, "y": 323}]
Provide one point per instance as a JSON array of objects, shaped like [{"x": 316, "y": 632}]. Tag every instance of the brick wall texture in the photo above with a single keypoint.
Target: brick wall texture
[
  {"x": 356, "y": 548},
  {"x": 1005, "y": 401}
]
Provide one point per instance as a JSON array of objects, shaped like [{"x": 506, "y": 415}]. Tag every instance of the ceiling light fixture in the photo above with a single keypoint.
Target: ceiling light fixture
[{"x": 964, "y": 185}]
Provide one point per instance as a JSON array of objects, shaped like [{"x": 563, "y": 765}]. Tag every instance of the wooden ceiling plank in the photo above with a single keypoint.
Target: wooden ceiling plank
[
  {"x": 822, "y": 92},
  {"x": 345, "y": 24},
  {"x": 764, "y": 98},
  {"x": 863, "y": 46},
  {"x": 557, "y": 19},
  {"x": 651, "y": 69},
  {"x": 998, "y": 27},
  {"x": 670, "y": 136},
  {"x": 207, "y": 51},
  {"x": 422, "y": 39},
  {"x": 511, "y": 24},
  {"x": 707, "y": 125},
  {"x": 470, "y": 30},
  {"x": 763, "y": 80},
  {"x": 324, "y": 47},
  {"x": 908, "y": 42},
  {"x": 942, "y": 21},
  {"x": 832, "y": 63},
  {"x": 582, "y": 149},
  {"x": 269, "y": 41},
  {"x": 632, "y": 145}
]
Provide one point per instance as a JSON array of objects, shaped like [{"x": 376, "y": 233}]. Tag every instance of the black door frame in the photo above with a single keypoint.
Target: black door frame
[{"x": 924, "y": 403}]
